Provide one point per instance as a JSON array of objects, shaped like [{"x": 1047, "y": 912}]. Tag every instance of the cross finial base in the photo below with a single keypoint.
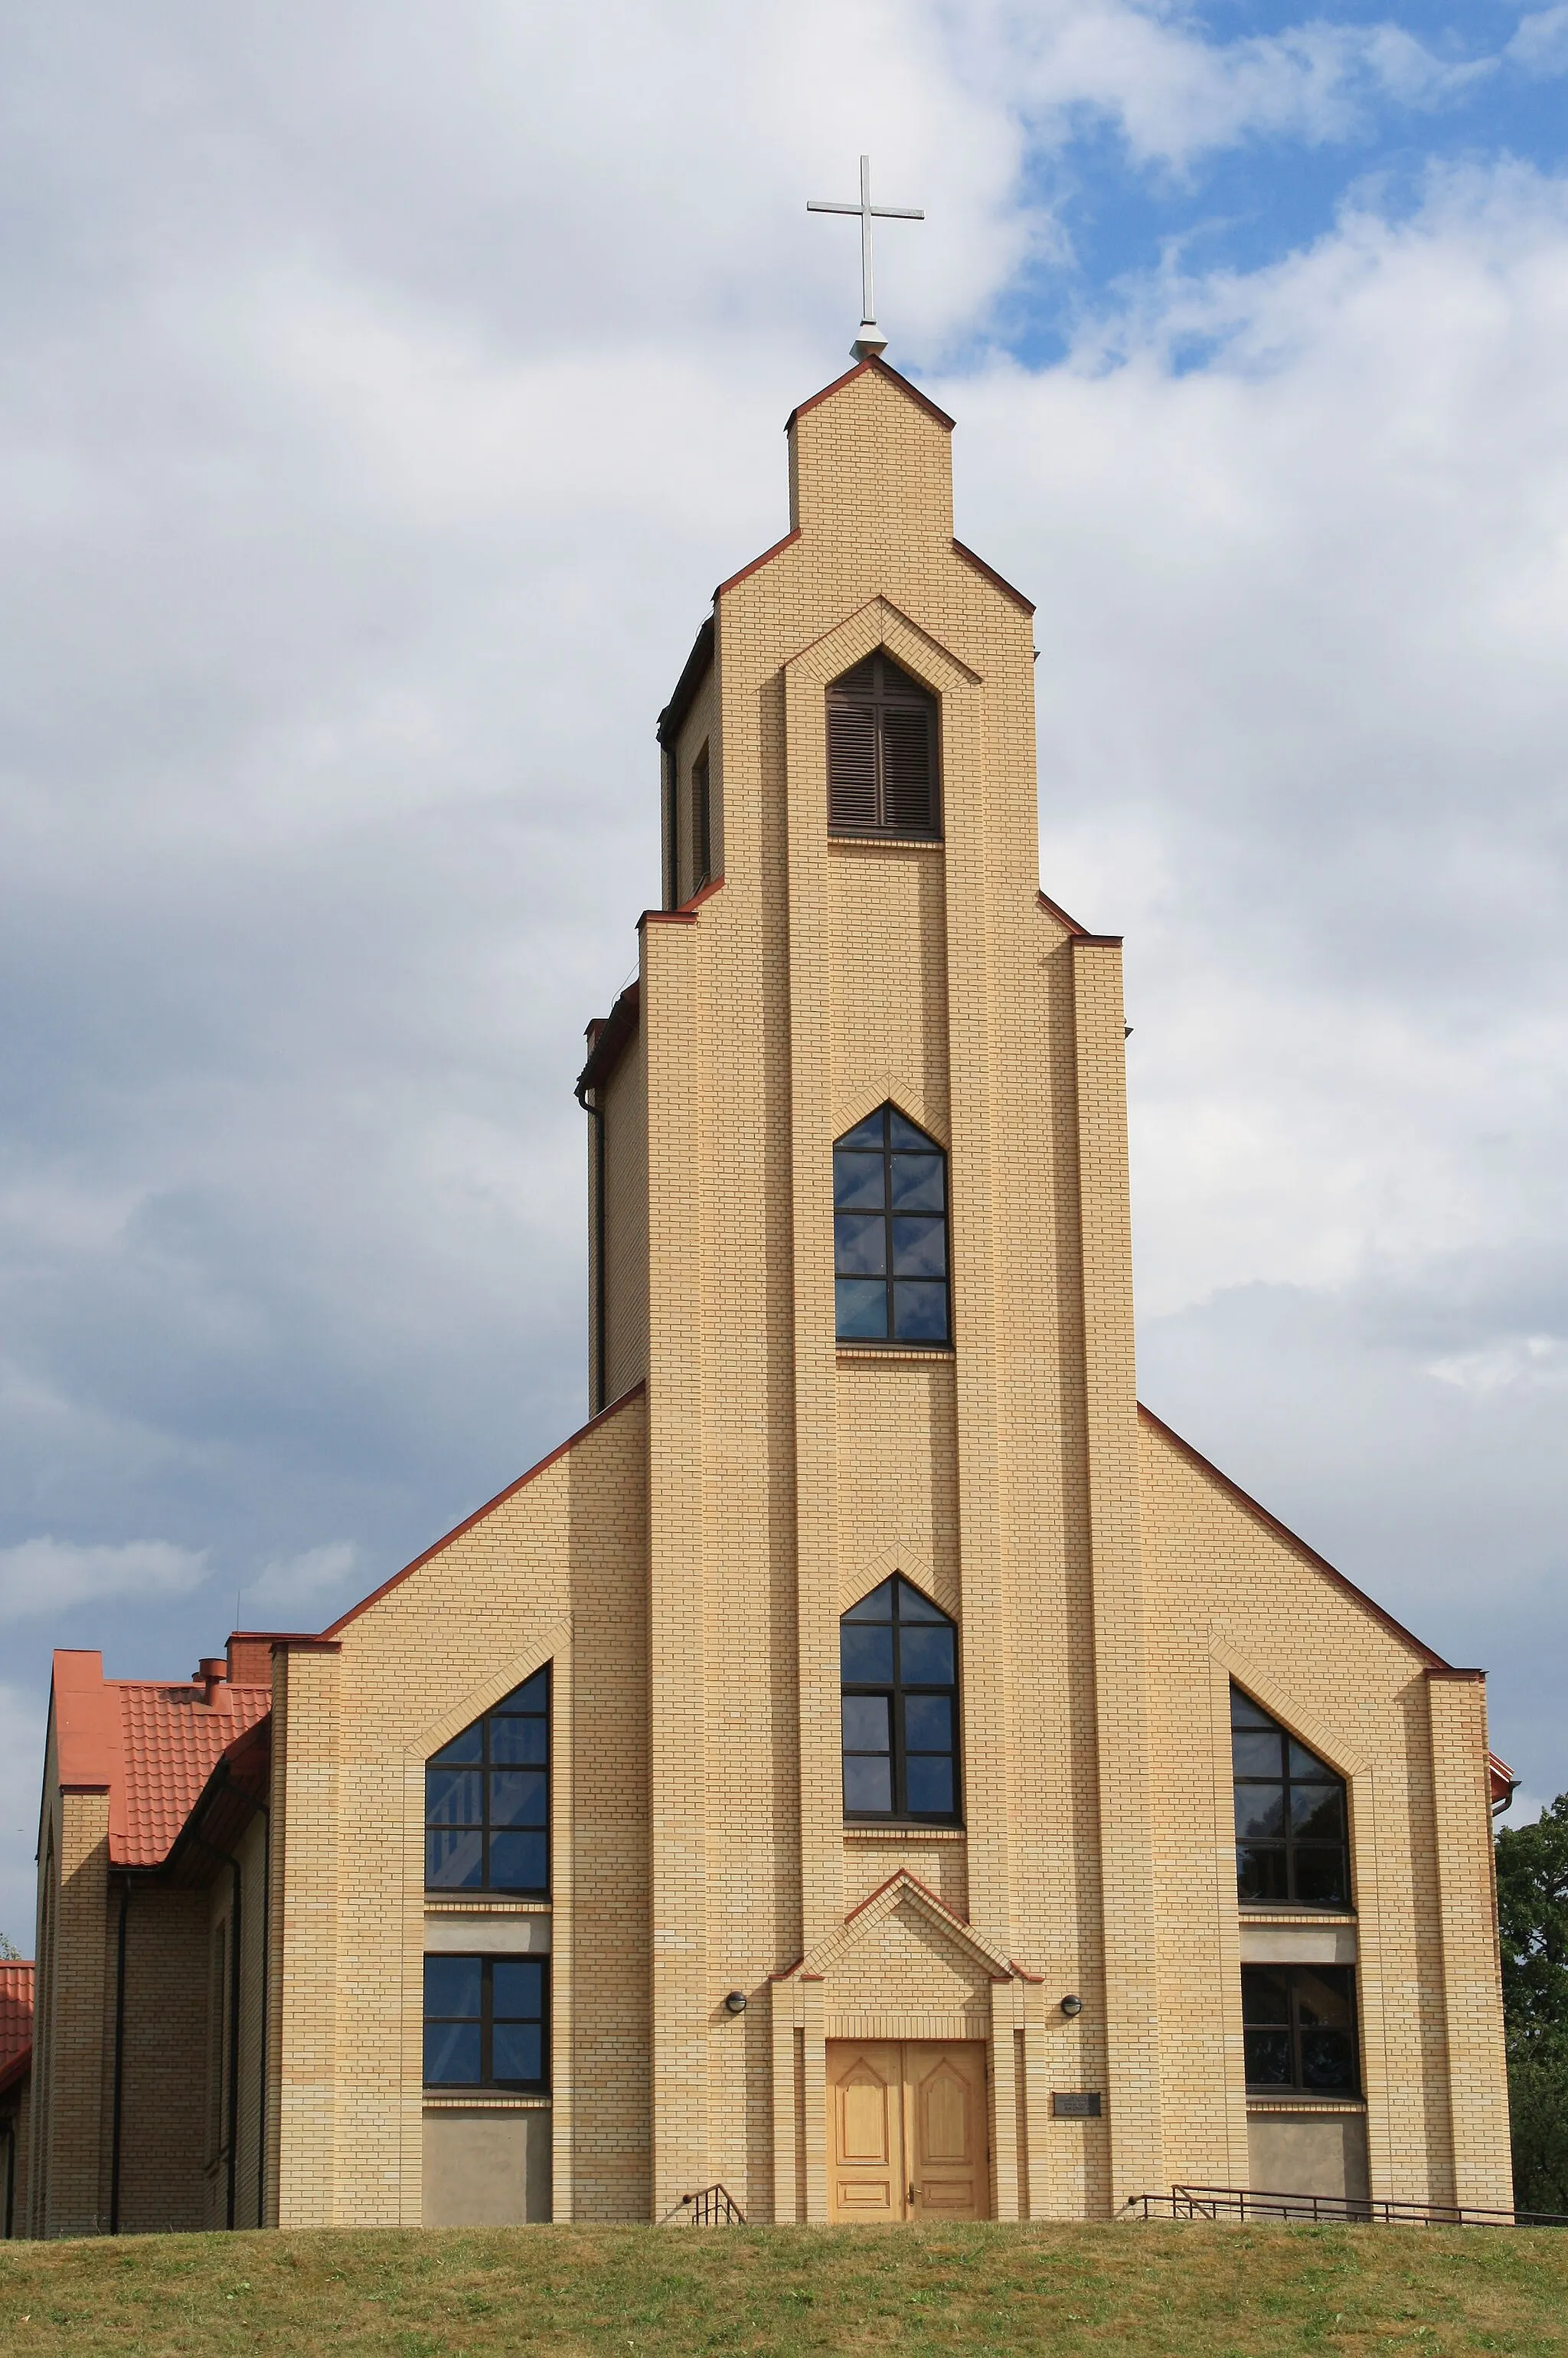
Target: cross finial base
[{"x": 871, "y": 343}]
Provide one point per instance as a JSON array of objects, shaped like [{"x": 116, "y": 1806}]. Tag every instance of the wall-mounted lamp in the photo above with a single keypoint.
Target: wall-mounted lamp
[
  {"x": 1071, "y": 2005},
  {"x": 736, "y": 2002}
]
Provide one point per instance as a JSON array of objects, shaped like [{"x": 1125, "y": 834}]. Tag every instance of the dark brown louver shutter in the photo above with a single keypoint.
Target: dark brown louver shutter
[
  {"x": 882, "y": 752},
  {"x": 908, "y": 801},
  {"x": 851, "y": 768}
]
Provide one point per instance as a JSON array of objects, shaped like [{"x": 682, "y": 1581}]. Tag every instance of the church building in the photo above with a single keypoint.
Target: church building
[{"x": 875, "y": 1771}]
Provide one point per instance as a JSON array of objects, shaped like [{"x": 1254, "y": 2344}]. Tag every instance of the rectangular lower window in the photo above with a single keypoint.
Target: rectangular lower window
[
  {"x": 487, "y": 2023},
  {"x": 1299, "y": 2025}
]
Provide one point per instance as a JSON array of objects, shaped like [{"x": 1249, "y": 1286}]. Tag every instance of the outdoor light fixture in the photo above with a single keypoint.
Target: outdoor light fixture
[
  {"x": 736, "y": 2002},
  {"x": 1071, "y": 2005}
]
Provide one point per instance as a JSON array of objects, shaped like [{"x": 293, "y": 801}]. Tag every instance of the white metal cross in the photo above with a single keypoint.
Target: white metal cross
[{"x": 871, "y": 339}]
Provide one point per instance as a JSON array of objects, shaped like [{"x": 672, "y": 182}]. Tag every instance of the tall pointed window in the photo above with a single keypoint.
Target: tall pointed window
[
  {"x": 882, "y": 767},
  {"x": 486, "y": 1800},
  {"x": 889, "y": 1233},
  {"x": 898, "y": 1669},
  {"x": 1291, "y": 1848}
]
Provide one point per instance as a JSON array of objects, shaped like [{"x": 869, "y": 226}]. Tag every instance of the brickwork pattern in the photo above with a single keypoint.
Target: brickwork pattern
[{"x": 166, "y": 2176}]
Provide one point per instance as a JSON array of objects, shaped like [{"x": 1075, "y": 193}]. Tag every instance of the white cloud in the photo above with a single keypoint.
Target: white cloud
[
  {"x": 1538, "y": 1361},
  {"x": 1302, "y": 701},
  {"x": 1541, "y": 44},
  {"x": 50, "y": 1576},
  {"x": 1176, "y": 92},
  {"x": 289, "y": 1584}
]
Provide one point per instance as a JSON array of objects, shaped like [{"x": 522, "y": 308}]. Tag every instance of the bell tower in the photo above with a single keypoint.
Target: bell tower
[{"x": 810, "y": 966}]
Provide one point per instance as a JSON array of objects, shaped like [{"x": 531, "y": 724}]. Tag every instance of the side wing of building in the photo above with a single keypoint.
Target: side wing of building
[
  {"x": 233, "y": 1917},
  {"x": 541, "y": 1597},
  {"x": 1237, "y": 1606}
]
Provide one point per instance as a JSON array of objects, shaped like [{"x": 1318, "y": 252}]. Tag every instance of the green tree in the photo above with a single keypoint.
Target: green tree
[{"x": 1532, "y": 1917}]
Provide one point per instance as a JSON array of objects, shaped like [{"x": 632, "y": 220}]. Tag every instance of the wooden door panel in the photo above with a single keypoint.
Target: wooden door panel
[
  {"x": 907, "y": 2131},
  {"x": 865, "y": 2131},
  {"x": 949, "y": 2142}
]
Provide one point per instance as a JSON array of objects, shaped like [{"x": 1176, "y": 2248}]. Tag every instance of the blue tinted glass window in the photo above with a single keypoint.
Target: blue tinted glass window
[
  {"x": 483, "y": 1788},
  {"x": 452, "y": 2054},
  {"x": 898, "y": 1664},
  {"x": 452, "y": 1987},
  {"x": 487, "y": 2022},
  {"x": 1292, "y": 1831},
  {"x": 889, "y": 1234},
  {"x": 519, "y": 1988},
  {"x": 518, "y": 1862},
  {"x": 860, "y": 1182},
  {"x": 865, "y": 1654},
  {"x": 1299, "y": 2029},
  {"x": 862, "y": 1309}
]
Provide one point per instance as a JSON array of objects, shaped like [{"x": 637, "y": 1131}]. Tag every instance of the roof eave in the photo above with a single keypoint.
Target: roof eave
[{"x": 698, "y": 666}]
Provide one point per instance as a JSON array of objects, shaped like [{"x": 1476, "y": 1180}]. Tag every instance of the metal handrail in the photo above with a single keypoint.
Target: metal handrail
[
  {"x": 1245, "y": 2202},
  {"x": 714, "y": 2207}
]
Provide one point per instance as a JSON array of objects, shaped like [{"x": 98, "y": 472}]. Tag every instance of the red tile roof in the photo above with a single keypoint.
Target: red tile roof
[
  {"x": 15, "y": 2018},
  {"x": 153, "y": 1747},
  {"x": 170, "y": 1742}
]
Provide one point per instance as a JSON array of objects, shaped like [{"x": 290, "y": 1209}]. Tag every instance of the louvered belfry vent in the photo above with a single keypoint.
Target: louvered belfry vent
[{"x": 881, "y": 753}]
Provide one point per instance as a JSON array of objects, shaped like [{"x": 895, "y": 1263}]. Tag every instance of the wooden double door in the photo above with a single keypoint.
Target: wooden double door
[{"x": 907, "y": 2130}]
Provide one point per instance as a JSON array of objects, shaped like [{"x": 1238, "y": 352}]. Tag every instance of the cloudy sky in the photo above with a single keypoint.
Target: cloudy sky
[{"x": 383, "y": 389}]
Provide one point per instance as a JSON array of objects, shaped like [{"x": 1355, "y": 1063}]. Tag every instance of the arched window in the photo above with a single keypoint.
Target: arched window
[
  {"x": 1292, "y": 1846},
  {"x": 889, "y": 1233},
  {"x": 899, "y": 1671},
  {"x": 486, "y": 1800},
  {"x": 882, "y": 773}
]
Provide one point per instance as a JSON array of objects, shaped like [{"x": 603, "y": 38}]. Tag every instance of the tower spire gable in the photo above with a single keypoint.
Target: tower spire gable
[{"x": 871, "y": 453}]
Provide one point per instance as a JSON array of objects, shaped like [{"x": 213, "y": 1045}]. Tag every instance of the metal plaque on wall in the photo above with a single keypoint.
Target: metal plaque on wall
[{"x": 1076, "y": 2103}]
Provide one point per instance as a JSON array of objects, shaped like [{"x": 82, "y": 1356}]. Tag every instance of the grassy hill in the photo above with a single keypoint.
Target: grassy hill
[{"x": 1147, "y": 2291}]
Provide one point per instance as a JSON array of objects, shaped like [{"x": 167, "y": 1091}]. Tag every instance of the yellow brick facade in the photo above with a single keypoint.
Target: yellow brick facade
[{"x": 683, "y": 1564}]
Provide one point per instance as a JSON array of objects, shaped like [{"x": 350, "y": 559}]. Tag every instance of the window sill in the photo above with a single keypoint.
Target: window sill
[
  {"x": 894, "y": 842},
  {"x": 483, "y": 1903},
  {"x": 490, "y": 2100},
  {"x": 1259, "y": 1912},
  {"x": 894, "y": 1352},
  {"x": 1299, "y": 2101},
  {"x": 902, "y": 1830}
]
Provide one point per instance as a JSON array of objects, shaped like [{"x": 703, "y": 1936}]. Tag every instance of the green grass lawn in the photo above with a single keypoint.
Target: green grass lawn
[{"x": 1151, "y": 2291}]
